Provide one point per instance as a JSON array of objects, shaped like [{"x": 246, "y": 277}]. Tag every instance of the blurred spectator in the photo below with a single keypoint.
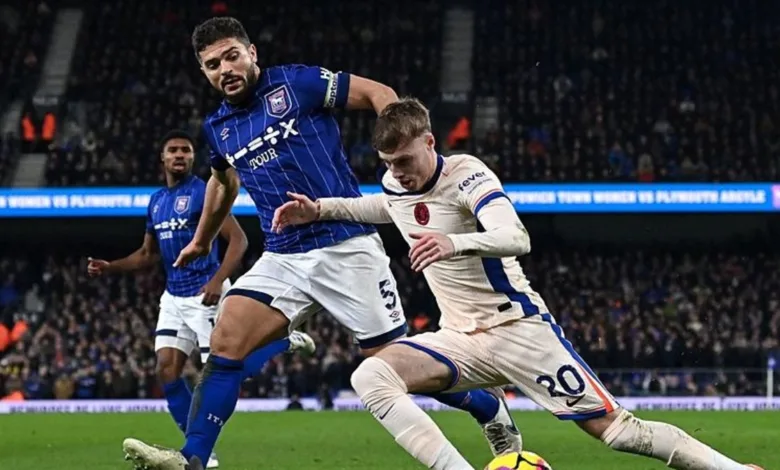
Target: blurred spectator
[
  {"x": 696, "y": 322},
  {"x": 134, "y": 89},
  {"x": 586, "y": 90},
  {"x": 687, "y": 89},
  {"x": 295, "y": 403}
]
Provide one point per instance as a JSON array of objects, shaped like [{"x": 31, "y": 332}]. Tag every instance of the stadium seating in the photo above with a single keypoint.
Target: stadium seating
[
  {"x": 587, "y": 91},
  {"x": 630, "y": 91},
  {"x": 576, "y": 103},
  {"x": 146, "y": 80},
  {"x": 671, "y": 314},
  {"x": 25, "y": 28}
]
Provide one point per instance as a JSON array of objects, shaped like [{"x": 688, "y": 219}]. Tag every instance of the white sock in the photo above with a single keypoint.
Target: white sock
[
  {"x": 384, "y": 394},
  {"x": 664, "y": 442}
]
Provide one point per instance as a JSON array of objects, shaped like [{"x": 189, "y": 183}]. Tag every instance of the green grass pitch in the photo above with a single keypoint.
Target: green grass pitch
[{"x": 352, "y": 440}]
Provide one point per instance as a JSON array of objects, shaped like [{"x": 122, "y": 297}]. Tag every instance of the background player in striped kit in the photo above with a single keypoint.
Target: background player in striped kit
[
  {"x": 465, "y": 236},
  {"x": 275, "y": 133},
  {"x": 189, "y": 305}
]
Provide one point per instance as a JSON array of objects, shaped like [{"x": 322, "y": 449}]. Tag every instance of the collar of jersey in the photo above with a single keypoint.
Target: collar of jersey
[
  {"x": 426, "y": 187},
  {"x": 180, "y": 183}
]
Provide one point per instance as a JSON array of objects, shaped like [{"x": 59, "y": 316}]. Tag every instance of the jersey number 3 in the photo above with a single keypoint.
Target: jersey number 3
[{"x": 386, "y": 289}]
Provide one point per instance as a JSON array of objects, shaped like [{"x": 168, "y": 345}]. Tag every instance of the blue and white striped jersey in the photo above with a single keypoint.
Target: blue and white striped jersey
[
  {"x": 285, "y": 138},
  {"x": 172, "y": 217}
]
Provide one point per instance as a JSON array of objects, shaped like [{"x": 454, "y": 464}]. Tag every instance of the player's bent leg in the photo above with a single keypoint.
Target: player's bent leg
[
  {"x": 624, "y": 432},
  {"x": 297, "y": 341},
  {"x": 488, "y": 407},
  {"x": 244, "y": 325},
  {"x": 170, "y": 364},
  {"x": 383, "y": 381}
]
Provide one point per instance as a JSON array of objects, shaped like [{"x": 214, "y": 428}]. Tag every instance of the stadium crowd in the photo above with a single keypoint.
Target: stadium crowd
[
  {"x": 648, "y": 91},
  {"x": 624, "y": 91},
  {"x": 631, "y": 91},
  {"x": 68, "y": 336},
  {"x": 132, "y": 98}
]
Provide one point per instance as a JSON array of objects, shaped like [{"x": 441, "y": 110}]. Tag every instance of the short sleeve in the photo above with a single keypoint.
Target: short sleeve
[
  {"x": 216, "y": 160},
  {"x": 149, "y": 221},
  {"x": 478, "y": 186},
  {"x": 318, "y": 87}
]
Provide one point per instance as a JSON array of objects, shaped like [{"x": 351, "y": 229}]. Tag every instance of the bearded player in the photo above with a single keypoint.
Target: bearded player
[
  {"x": 464, "y": 235},
  {"x": 189, "y": 304},
  {"x": 275, "y": 133}
]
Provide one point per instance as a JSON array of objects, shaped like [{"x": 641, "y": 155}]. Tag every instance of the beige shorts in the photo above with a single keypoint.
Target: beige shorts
[{"x": 532, "y": 354}]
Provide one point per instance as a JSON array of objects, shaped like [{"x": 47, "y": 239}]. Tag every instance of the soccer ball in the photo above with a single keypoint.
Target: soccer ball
[{"x": 518, "y": 461}]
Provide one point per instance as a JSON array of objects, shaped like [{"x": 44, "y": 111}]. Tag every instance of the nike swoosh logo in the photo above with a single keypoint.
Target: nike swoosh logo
[
  {"x": 571, "y": 403},
  {"x": 513, "y": 429},
  {"x": 386, "y": 412}
]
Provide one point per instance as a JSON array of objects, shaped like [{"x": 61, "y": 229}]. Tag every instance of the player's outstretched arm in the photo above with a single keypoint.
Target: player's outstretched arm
[
  {"x": 302, "y": 210},
  {"x": 143, "y": 258},
  {"x": 368, "y": 94},
  {"x": 221, "y": 191}
]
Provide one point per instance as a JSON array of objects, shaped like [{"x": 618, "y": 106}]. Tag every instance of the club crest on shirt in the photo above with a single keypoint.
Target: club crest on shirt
[
  {"x": 277, "y": 102},
  {"x": 182, "y": 204},
  {"x": 421, "y": 213}
]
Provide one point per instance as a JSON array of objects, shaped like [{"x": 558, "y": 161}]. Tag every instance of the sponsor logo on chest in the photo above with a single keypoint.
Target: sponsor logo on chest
[{"x": 261, "y": 149}]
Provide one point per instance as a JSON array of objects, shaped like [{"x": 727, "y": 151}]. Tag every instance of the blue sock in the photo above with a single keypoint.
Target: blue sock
[
  {"x": 179, "y": 398},
  {"x": 213, "y": 402},
  {"x": 483, "y": 406},
  {"x": 255, "y": 361}
]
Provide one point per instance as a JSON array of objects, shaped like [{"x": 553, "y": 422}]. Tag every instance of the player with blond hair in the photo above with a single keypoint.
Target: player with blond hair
[
  {"x": 275, "y": 132},
  {"x": 495, "y": 329}
]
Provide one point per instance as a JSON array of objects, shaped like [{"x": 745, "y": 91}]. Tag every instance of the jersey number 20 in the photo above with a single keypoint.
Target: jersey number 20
[{"x": 563, "y": 382}]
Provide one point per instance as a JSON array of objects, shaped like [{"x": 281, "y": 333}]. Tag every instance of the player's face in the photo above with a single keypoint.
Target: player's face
[
  {"x": 413, "y": 164},
  {"x": 230, "y": 67},
  {"x": 178, "y": 156}
]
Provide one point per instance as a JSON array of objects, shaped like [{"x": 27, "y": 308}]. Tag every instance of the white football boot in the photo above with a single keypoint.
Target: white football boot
[
  {"x": 213, "y": 461},
  {"x": 300, "y": 341},
  {"x": 501, "y": 432},
  {"x": 148, "y": 457}
]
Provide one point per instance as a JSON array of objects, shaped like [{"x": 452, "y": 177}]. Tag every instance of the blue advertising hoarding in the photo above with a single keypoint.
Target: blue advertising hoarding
[{"x": 527, "y": 198}]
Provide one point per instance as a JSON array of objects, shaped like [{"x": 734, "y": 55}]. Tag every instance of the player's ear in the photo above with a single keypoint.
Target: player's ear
[
  {"x": 252, "y": 53},
  {"x": 430, "y": 141}
]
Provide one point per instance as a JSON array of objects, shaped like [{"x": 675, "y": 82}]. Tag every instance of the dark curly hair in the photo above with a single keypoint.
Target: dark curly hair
[{"x": 215, "y": 29}]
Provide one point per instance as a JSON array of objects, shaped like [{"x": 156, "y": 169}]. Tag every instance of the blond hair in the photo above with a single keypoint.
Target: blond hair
[{"x": 400, "y": 123}]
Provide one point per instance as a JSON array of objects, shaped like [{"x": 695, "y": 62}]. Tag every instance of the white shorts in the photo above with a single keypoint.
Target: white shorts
[
  {"x": 352, "y": 281},
  {"x": 532, "y": 354},
  {"x": 186, "y": 324}
]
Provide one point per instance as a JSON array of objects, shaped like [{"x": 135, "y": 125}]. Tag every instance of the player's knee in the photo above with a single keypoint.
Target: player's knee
[
  {"x": 374, "y": 377},
  {"x": 225, "y": 341},
  {"x": 167, "y": 370},
  {"x": 230, "y": 335},
  {"x": 244, "y": 325}
]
